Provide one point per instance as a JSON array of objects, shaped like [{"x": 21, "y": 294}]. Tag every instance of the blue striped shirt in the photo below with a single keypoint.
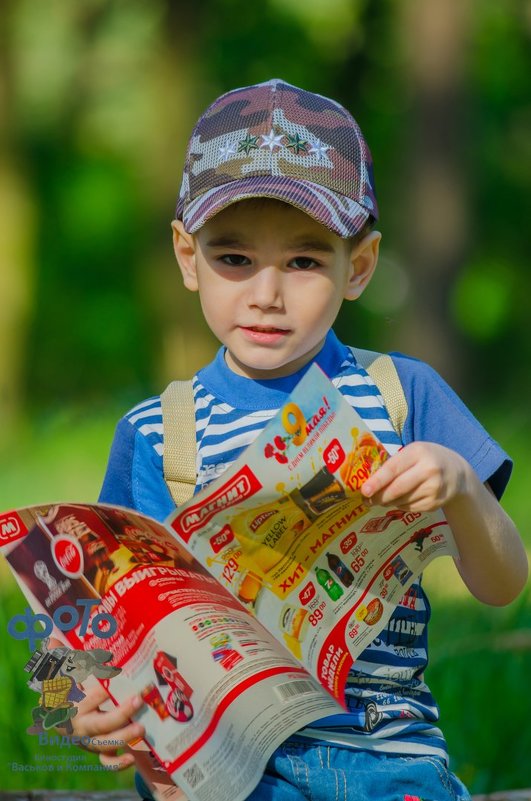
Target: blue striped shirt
[{"x": 391, "y": 709}]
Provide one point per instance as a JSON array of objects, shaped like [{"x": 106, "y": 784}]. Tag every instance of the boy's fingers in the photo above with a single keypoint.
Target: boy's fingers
[
  {"x": 97, "y": 723},
  {"x": 118, "y": 761},
  {"x": 382, "y": 477},
  {"x": 378, "y": 481},
  {"x": 92, "y": 700},
  {"x": 401, "y": 487},
  {"x": 392, "y": 479}
]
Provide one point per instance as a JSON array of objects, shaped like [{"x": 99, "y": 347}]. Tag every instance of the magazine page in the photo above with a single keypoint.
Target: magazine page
[
  {"x": 154, "y": 774},
  {"x": 141, "y": 615},
  {"x": 287, "y": 531}
]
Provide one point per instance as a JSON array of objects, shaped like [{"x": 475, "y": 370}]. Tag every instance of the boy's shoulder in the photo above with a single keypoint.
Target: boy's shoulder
[
  {"x": 418, "y": 379},
  {"x": 437, "y": 414},
  {"x": 431, "y": 400},
  {"x": 146, "y": 416},
  {"x": 426, "y": 389},
  {"x": 139, "y": 434}
]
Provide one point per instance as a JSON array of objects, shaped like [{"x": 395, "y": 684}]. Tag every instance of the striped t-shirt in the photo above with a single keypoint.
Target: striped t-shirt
[{"x": 391, "y": 709}]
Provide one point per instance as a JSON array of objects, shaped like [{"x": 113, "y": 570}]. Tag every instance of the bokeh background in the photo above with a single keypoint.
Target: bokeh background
[{"x": 97, "y": 99}]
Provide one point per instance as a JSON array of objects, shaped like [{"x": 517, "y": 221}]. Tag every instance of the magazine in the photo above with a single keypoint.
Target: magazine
[{"x": 239, "y": 617}]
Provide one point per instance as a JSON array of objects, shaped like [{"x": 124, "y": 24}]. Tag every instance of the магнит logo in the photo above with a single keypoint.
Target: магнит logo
[{"x": 11, "y": 528}]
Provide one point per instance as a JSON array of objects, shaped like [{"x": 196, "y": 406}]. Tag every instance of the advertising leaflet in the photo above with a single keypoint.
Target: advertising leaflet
[
  {"x": 288, "y": 532},
  {"x": 220, "y": 692},
  {"x": 239, "y": 618}
]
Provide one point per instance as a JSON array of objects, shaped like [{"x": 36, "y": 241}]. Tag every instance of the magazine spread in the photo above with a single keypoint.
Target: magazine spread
[{"x": 239, "y": 618}]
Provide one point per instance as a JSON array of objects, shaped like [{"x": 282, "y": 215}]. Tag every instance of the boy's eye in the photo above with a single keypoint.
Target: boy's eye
[
  {"x": 234, "y": 259},
  {"x": 303, "y": 263}
]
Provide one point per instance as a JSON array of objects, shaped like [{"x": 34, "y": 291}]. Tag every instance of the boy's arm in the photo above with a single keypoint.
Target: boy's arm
[{"x": 425, "y": 476}]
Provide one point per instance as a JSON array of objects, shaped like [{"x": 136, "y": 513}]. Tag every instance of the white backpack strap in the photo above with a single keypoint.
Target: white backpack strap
[
  {"x": 179, "y": 459},
  {"x": 383, "y": 372}
]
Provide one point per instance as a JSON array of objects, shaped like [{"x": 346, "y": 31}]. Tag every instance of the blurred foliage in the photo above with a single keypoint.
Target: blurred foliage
[
  {"x": 97, "y": 100},
  {"x": 479, "y": 663}
]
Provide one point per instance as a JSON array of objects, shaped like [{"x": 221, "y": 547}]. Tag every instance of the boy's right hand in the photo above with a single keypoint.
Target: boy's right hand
[{"x": 101, "y": 727}]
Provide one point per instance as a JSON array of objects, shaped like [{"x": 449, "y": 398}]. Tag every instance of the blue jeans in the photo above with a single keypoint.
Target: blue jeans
[{"x": 305, "y": 772}]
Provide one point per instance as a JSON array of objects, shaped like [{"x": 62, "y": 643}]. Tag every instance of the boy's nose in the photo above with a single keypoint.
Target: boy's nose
[{"x": 266, "y": 288}]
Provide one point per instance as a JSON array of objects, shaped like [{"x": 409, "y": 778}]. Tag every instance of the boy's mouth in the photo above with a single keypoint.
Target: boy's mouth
[
  {"x": 264, "y": 333},
  {"x": 265, "y": 329}
]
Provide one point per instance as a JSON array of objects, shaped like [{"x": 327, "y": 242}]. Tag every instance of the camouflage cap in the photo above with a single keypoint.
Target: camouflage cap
[{"x": 275, "y": 140}]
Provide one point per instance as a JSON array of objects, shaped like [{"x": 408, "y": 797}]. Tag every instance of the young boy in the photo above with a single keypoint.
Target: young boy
[{"x": 273, "y": 229}]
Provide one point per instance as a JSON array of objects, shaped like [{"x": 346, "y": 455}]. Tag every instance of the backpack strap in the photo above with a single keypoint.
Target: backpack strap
[
  {"x": 383, "y": 372},
  {"x": 179, "y": 457},
  {"x": 178, "y": 417}
]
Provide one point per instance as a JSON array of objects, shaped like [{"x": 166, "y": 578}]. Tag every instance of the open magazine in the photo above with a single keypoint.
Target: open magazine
[{"x": 238, "y": 619}]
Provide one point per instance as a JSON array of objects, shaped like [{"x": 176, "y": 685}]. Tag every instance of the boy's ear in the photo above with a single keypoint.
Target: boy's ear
[
  {"x": 184, "y": 248},
  {"x": 363, "y": 261}
]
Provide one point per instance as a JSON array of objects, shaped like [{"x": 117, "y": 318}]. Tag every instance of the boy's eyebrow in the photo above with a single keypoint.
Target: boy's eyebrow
[
  {"x": 310, "y": 244},
  {"x": 226, "y": 241},
  {"x": 301, "y": 244}
]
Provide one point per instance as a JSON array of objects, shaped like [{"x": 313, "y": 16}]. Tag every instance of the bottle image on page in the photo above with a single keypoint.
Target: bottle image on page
[
  {"x": 340, "y": 569},
  {"x": 153, "y": 698},
  {"x": 331, "y": 587}
]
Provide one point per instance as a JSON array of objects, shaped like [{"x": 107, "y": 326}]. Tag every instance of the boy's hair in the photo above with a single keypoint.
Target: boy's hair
[{"x": 275, "y": 140}]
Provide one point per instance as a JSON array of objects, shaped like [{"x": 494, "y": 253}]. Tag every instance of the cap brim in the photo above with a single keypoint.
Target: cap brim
[{"x": 342, "y": 215}]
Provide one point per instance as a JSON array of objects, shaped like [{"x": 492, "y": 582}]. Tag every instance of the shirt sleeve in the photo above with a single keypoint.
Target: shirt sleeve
[
  {"x": 134, "y": 477},
  {"x": 437, "y": 414}
]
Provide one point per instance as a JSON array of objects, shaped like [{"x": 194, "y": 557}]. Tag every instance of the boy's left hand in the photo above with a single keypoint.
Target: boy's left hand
[{"x": 421, "y": 477}]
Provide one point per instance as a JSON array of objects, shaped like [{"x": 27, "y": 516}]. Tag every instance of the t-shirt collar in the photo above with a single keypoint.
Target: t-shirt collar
[{"x": 247, "y": 393}]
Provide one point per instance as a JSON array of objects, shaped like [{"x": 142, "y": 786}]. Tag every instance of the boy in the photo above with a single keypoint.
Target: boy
[{"x": 273, "y": 229}]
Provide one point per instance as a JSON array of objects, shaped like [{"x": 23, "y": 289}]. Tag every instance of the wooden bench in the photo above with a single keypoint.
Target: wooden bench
[
  {"x": 73, "y": 795},
  {"x": 504, "y": 795},
  {"x": 68, "y": 795}
]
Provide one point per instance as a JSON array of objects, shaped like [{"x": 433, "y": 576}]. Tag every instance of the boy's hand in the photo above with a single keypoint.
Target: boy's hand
[
  {"x": 114, "y": 725},
  {"x": 92, "y": 722},
  {"x": 421, "y": 477}
]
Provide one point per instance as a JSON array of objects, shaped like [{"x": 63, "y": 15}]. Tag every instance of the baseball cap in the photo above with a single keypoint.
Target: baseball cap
[{"x": 276, "y": 140}]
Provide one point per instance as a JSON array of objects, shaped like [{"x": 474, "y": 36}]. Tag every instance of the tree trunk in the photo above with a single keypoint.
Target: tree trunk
[
  {"x": 433, "y": 206},
  {"x": 17, "y": 254}
]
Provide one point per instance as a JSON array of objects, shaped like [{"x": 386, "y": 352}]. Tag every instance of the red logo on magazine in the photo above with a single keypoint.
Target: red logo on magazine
[
  {"x": 222, "y": 538},
  {"x": 241, "y": 486},
  {"x": 307, "y": 593},
  {"x": 68, "y": 556},
  {"x": 348, "y": 543},
  {"x": 334, "y": 455},
  {"x": 11, "y": 528}
]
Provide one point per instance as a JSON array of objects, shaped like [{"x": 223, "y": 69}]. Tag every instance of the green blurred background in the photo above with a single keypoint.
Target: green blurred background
[{"x": 97, "y": 100}]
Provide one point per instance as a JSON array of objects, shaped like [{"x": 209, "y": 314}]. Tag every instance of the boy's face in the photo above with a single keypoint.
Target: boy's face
[{"x": 271, "y": 281}]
